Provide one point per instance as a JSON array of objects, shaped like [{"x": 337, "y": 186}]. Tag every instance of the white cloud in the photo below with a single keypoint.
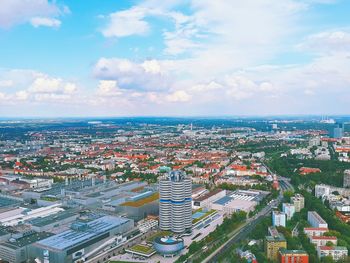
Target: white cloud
[
  {"x": 51, "y": 97},
  {"x": 45, "y": 21},
  {"x": 148, "y": 75},
  {"x": 2, "y": 97},
  {"x": 178, "y": 96},
  {"x": 22, "y": 95},
  {"x": 6, "y": 83},
  {"x": 38, "y": 12},
  {"x": 235, "y": 86},
  {"x": 215, "y": 59},
  {"x": 47, "y": 84},
  {"x": 220, "y": 54},
  {"x": 32, "y": 86},
  {"x": 329, "y": 41},
  {"x": 108, "y": 88},
  {"x": 152, "y": 66},
  {"x": 126, "y": 23}
]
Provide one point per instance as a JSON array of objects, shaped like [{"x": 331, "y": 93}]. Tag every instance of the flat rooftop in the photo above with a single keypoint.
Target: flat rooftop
[
  {"x": 5, "y": 202},
  {"x": 223, "y": 200},
  {"x": 206, "y": 196},
  {"x": 279, "y": 238},
  {"x": 26, "y": 240},
  {"x": 319, "y": 219},
  {"x": 70, "y": 238},
  {"x": 293, "y": 252},
  {"x": 44, "y": 221},
  {"x": 143, "y": 201},
  {"x": 249, "y": 195}
]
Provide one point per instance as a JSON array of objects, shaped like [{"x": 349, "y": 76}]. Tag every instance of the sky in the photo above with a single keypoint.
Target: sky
[{"x": 116, "y": 58}]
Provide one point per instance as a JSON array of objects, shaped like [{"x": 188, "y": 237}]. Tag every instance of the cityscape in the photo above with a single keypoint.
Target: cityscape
[
  {"x": 175, "y": 190},
  {"x": 174, "y": 131}
]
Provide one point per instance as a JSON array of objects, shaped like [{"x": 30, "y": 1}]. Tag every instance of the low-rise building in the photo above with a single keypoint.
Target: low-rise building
[
  {"x": 206, "y": 200},
  {"x": 229, "y": 205},
  {"x": 293, "y": 256},
  {"x": 48, "y": 223},
  {"x": 147, "y": 224},
  {"x": 315, "y": 231},
  {"x": 19, "y": 247},
  {"x": 343, "y": 216},
  {"x": 324, "y": 191},
  {"x": 139, "y": 208},
  {"x": 336, "y": 253},
  {"x": 81, "y": 239},
  {"x": 308, "y": 170},
  {"x": 323, "y": 240}
]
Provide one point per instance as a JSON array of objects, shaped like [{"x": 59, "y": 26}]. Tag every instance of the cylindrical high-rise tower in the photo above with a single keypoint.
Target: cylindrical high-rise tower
[{"x": 175, "y": 209}]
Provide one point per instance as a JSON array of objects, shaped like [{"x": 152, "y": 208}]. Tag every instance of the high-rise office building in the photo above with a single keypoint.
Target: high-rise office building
[{"x": 175, "y": 202}]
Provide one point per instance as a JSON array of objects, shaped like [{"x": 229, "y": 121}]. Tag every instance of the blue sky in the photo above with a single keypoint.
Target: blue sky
[{"x": 174, "y": 58}]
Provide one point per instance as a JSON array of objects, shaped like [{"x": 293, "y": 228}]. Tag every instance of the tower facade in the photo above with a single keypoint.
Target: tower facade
[{"x": 175, "y": 197}]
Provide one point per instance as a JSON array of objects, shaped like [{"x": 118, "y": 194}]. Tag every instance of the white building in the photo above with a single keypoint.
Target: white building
[
  {"x": 336, "y": 253},
  {"x": 323, "y": 240},
  {"x": 315, "y": 231},
  {"x": 230, "y": 205},
  {"x": 175, "y": 208},
  {"x": 314, "y": 141},
  {"x": 20, "y": 215},
  {"x": 322, "y": 190},
  {"x": 278, "y": 218},
  {"x": 147, "y": 224},
  {"x": 316, "y": 220},
  {"x": 207, "y": 199},
  {"x": 259, "y": 155},
  {"x": 289, "y": 210}
]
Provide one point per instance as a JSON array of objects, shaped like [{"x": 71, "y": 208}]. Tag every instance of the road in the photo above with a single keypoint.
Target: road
[
  {"x": 243, "y": 232},
  {"x": 250, "y": 224}
]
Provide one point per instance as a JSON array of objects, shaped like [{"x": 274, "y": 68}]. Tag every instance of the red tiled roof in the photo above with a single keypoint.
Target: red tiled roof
[
  {"x": 324, "y": 237},
  {"x": 307, "y": 170},
  {"x": 326, "y": 248},
  {"x": 315, "y": 229}
]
